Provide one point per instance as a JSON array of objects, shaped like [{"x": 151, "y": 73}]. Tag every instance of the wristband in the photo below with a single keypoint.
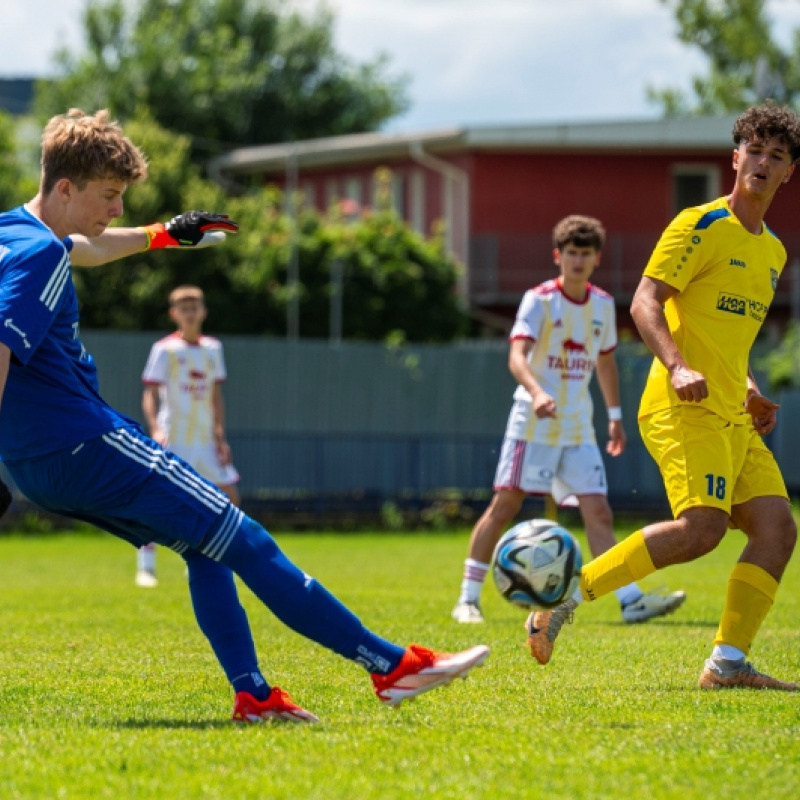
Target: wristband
[
  {"x": 157, "y": 236},
  {"x": 614, "y": 414}
]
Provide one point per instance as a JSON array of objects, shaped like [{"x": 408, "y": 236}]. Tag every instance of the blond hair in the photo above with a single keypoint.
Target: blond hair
[
  {"x": 185, "y": 293},
  {"x": 84, "y": 148}
]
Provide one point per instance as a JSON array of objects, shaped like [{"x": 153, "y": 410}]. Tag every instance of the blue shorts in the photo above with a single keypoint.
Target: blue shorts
[{"x": 127, "y": 484}]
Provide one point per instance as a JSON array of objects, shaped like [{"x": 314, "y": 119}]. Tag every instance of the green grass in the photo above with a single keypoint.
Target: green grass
[{"x": 107, "y": 690}]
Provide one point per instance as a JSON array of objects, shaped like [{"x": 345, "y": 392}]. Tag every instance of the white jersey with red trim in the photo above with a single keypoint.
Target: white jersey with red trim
[
  {"x": 568, "y": 336},
  {"x": 186, "y": 374}
]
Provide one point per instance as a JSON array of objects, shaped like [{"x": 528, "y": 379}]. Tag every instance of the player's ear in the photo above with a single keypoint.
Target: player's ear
[
  {"x": 64, "y": 189},
  {"x": 557, "y": 257}
]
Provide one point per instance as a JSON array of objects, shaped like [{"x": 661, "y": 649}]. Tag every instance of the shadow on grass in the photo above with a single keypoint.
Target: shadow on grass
[
  {"x": 176, "y": 724},
  {"x": 661, "y": 622},
  {"x": 670, "y": 623}
]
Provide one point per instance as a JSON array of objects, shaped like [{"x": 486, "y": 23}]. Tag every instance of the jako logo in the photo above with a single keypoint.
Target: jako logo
[
  {"x": 572, "y": 346},
  {"x": 736, "y": 263}
]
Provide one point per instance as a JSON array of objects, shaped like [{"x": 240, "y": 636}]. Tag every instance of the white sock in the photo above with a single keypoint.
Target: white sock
[
  {"x": 577, "y": 598},
  {"x": 628, "y": 594},
  {"x": 472, "y": 583},
  {"x": 146, "y": 558},
  {"x": 727, "y": 651}
]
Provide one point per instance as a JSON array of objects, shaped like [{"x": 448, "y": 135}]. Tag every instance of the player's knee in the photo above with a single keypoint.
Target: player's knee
[
  {"x": 702, "y": 535},
  {"x": 253, "y": 536},
  {"x": 786, "y": 538}
]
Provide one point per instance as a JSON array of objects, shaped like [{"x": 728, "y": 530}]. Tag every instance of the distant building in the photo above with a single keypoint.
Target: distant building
[
  {"x": 16, "y": 95},
  {"x": 501, "y": 189}
]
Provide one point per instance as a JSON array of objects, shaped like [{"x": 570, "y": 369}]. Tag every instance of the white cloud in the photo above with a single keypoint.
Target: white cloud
[{"x": 470, "y": 61}]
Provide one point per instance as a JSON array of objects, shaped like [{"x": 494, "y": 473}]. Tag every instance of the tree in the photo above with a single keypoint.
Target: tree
[
  {"x": 394, "y": 282},
  {"x": 746, "y": 65},
  {"x": 226, "y": 73},
  {"x": 16, "y": 185}
]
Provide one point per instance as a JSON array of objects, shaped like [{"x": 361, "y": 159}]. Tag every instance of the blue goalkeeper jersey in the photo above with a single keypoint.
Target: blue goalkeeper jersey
[{"x": 51, "y": 399}]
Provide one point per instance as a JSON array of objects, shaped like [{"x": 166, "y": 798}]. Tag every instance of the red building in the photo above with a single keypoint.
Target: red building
[{"x": 500, "y": 190}]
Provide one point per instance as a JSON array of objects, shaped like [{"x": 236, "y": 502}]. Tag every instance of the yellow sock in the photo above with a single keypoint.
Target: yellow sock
[
  {"x": 751, "y": 592},
  {"x": 624, "y": 563}
]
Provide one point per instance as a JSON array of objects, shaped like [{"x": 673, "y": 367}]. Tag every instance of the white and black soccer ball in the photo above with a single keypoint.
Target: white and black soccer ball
[{"x": 537, "y": 564}]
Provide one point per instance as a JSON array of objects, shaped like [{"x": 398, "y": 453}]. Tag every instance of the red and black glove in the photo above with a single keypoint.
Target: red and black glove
[{"x": 187, "y": 230}]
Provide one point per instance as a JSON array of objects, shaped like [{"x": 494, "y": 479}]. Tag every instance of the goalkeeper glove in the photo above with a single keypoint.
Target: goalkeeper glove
[{"x": 187, "y": 230}]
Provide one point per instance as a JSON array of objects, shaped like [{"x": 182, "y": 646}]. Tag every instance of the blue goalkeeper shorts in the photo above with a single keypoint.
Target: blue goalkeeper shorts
[{"x": 127, "y": 484}]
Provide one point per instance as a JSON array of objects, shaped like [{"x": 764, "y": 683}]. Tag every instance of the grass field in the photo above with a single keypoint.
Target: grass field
[{"x": 107, "y": 690}]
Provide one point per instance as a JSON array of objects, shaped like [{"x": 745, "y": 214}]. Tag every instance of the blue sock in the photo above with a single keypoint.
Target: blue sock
[
  {"x": 223, "y": 620},
  {"x": 302, "y": 603}
]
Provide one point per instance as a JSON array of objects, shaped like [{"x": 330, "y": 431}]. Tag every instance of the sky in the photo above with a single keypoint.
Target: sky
[{"x": 470, "y": 62}]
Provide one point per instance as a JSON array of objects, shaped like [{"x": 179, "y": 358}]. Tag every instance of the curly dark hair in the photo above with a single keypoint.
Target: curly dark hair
[
  {"x": 766, "y": 121},
  {"x": 579, "y": 231}
]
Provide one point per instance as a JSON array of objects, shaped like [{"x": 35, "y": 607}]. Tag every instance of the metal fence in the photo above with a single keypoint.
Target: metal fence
[{"x": 317, "y": 427}]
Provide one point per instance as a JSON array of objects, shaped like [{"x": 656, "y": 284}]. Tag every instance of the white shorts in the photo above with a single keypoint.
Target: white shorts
[
  {"x": 203, "y": 457},
  {"x": 541, "y": 469}
]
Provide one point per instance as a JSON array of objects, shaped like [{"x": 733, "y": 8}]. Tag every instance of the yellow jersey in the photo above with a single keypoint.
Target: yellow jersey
[{"x": 726, "y": 278}]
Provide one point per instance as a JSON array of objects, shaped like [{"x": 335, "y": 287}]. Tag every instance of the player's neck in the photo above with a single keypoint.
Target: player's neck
[
  {"x": 750, "y": 210},
  {"x": 42, "y": 211},
  {"x": 576, "y": 290},
  {"x": 190, "y": 337}
]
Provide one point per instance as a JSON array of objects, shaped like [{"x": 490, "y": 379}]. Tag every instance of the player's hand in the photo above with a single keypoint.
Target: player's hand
[
  {"x": 5, "y": 498},
  {"x": 764, "y": 413},
  {"x": 543, "y": 405},
  {"x": 192, "y": 229},
  {"x": 224, "y": 455},
  {"x": 616, "y": 438},
  {"x": 689, "y": 385}
]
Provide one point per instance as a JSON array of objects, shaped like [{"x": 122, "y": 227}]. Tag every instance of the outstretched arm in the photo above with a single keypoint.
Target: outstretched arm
[
  {"x": 111, "y": 245},
  {"x": 195, "y": 229}
]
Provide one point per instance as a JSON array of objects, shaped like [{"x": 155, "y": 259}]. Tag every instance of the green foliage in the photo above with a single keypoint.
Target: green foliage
[
  {"x": 224, "y": 72},
  {"x": 782, "y": 363},
  {"x": 392, "y": 279},
  {"x": 109, "y": 692},
  {"x": 746, "y": 65},
  {"x": 15, "y": 186}
]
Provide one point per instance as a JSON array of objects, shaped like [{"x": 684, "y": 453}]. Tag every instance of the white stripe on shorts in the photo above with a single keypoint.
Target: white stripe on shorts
[
  {"x": 155, "y": 458},
  {"x": 219, "y": 543}
]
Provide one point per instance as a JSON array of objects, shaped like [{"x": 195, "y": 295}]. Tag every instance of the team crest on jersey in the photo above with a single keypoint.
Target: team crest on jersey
[{"x": 773, "y": 277}]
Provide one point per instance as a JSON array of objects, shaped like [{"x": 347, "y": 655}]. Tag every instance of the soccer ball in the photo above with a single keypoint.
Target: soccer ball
[{"x": 537, "y": 564}]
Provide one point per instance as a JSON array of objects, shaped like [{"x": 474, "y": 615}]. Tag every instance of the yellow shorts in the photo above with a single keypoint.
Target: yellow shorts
[{"x": 707, "y": 461}]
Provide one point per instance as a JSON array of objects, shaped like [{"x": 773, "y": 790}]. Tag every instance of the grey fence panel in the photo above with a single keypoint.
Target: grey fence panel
[{"x": 310, "y": 421}]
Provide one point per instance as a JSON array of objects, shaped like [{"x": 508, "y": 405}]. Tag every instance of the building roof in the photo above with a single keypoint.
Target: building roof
[{"x": 672, "y": 134}]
